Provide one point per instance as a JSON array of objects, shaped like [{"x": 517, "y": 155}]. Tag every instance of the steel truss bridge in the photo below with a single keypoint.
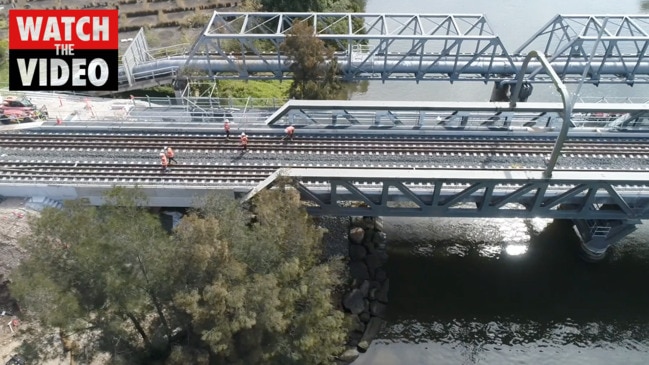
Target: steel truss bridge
[
  {"x": 604, "y": 206},
  {"x": 420, "y": 47},
  {"x": 420, "y": 116}
]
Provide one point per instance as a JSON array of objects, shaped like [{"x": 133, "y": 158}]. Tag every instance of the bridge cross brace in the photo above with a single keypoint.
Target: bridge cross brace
[{"x": 603, "y": 212}]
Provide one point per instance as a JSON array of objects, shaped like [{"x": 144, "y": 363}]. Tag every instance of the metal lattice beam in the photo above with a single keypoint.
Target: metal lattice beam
[
  {"x": 463, "y": 193},
  {"x": 420, "y": 42},
  {"x": 418, "y": 47},
  {"x": 450, "y": 115},
  {"x": 601, "y": 42}
]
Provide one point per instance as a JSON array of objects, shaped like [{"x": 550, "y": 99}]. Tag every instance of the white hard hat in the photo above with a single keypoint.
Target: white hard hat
[{"x": 243, "y": 134}]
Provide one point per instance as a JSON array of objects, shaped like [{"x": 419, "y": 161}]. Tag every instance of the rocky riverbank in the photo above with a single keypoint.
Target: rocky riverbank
[{"x": 368, "y": 296}]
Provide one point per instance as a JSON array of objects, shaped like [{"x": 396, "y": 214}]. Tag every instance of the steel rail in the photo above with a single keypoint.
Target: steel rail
[{"x": 378, "y": 146}]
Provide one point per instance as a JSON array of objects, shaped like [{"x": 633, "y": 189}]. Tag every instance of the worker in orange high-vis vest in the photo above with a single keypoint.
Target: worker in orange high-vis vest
[
  {"x": 244, "y": 141},
  {"x": 170, "y": 155},
  {"x": 290, "y": 131},
  {"x": 163, "y": 161},
  {"x": 226, "y": 127}
]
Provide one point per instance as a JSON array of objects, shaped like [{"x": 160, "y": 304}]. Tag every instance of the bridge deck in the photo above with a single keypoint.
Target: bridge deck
[{"x": 387, "y": 192}]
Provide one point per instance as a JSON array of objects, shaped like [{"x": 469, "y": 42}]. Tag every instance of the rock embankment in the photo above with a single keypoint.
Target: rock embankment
[{"x": 368, "y": 298}]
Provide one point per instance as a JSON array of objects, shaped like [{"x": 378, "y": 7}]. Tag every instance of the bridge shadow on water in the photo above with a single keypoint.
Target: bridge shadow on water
[{"x": 548, "y": 283}]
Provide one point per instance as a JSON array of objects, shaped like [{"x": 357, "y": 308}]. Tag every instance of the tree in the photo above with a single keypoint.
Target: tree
[
  {"x": 314, "y": 66},
  {"x": 313, "y": 5},
  {"x": 267, "y": 295},
  {"x": 99, "y": 270},
  {"x": 292, "y": 5},
  {"x": 229, "y": 285}
]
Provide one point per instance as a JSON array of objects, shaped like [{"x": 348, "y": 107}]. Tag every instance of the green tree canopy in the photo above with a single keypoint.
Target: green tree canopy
[
  {"x": 313, "y": 65},
  {"x": 229, "y": 286},
  {"x": 313, "y": 5}
]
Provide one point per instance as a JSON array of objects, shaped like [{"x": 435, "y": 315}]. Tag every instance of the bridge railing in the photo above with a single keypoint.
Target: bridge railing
[
  {"x": 155, "y": 74},
  {"x": 207, "y": 103},
  {"x": 239, "y": 111},
  {"x": 169, "y": 51}
]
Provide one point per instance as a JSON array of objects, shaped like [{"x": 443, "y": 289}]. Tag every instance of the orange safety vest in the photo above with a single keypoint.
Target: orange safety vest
[
  {"x": 226, "y": 126},
  {"x": 244, "y": 140},
  {"x": 163, "y": 160},
  {"x": 170, "y": 152},
  {"x": 290, "y": 129}
]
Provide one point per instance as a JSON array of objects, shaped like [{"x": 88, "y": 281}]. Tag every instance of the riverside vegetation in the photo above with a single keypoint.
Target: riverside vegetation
[{"x": 229, "y": 285}]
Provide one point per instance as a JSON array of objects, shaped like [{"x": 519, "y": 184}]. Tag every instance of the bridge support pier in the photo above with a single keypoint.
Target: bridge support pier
[
  {"x": 598, "y": 235},
  {"x": 500, "y": 92}
]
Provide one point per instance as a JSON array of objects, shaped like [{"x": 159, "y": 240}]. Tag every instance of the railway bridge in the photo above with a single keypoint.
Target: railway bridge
[
  {"x": 361, "y": 158},
  {"x": 569, "y": 160},
  {"x": 591, "y": 49}
]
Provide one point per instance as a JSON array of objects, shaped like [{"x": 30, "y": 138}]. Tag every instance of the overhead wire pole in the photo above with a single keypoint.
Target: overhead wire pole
[{"x": 565, "y": 96}]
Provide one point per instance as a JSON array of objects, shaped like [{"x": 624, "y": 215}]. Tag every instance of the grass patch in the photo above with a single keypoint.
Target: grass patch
[
  {"x": 272, "y": 89},
  {"x": 4, "y": 62},
  {"x": 156, "y": 91}
]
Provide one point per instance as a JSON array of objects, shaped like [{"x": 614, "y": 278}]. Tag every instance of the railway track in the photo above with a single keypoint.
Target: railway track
[
  {"x": 147, "y": 173},
  {"x": 129, "y": 172},
  {"x": 327, "y": 144}
]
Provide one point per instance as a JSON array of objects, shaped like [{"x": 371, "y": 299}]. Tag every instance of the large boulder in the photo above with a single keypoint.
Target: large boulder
[
  {"x": 368, "y": 223},
  {"x": 353, "y": 338},
  {"x": 379, "y": 238},
  {"x": 358, "y": 270},
  {"x": 356, "y": 235},
  {"x": 365, "y": 316},
  {"x": 349, "y": 355},
  {"x": 373, "y": 328},
  {"x": 357, "y": 325},
  {"x": 365, "y": 288},
  {"x": 380, "y": 274},
  {"x": 369, "y": 245},
  {"x": 378, "y": 309},
  {"x": 373, "y": 262},
  {"x": 382, "y": 293},
  {"x": 357, "y": 252},
  {"x": 354, "y": 301},
  {"x": 372, "y": 294}
]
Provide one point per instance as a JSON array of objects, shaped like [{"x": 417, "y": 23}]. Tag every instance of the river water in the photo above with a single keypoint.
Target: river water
[{"x": 507, "y": 291}]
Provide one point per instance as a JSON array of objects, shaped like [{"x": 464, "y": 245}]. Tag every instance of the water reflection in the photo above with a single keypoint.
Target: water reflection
[{"x": 459, "y": 296}]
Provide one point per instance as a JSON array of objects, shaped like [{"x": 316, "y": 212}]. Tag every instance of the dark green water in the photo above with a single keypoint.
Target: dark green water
[{"x": 510, "y": 292}]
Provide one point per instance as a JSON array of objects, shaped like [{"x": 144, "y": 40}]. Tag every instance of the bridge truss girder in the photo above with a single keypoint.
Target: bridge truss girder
[
  {"x": 469, "y": 193},
  {"x": 596, "y": 41},
  {"x": 361, "y": 41},
  {"x": 425, "y": 47},
  {"x": 452, "y": 115}
]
